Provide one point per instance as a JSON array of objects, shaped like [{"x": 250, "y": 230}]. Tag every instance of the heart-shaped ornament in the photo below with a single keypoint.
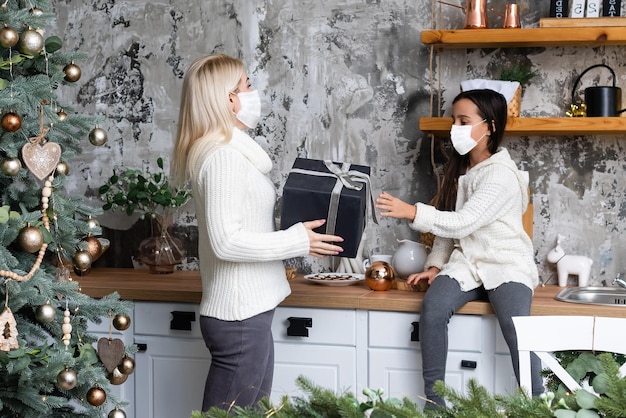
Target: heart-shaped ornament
[
  {"x": 110, "y": 352},
  {"x": 41, "y": 160}
]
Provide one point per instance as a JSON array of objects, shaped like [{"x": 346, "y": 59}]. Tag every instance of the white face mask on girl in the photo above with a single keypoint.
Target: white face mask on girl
[
  {"x": 461, "y": 136},
  {"x": 250, "y": 111}
]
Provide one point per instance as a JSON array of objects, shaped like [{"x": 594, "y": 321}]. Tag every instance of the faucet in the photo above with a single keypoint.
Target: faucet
[{"x": 619, "y": 281}]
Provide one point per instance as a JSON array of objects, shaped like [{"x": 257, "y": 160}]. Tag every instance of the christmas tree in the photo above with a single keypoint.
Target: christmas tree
[{"x": 50, "y": 366}]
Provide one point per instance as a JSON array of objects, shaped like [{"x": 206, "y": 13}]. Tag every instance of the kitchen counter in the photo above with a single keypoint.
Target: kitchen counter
[{"x": 185, "y": 286}]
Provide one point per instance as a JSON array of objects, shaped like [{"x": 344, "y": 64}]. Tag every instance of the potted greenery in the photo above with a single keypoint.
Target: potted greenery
[
  {"x": 150, "y": 194},
  {"x": 522, "y": 72}
]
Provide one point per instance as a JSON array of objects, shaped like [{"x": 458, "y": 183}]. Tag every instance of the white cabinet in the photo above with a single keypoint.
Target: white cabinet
[
  {"x": 394, "y": 355},
  {"x": 319, "y": 344},
  {"x": 173, "y": 362},
  {"x": 504, "y": 376}
]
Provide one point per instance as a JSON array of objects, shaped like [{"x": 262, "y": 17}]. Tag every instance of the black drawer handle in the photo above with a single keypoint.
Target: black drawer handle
[
  {"x": 415, "y": 334},
  {"x": 468, "y": 364},
  {"x": 299, "y": 327},
  {"x": 142, "y": 347},
  {"x": 182, "y": 320}
]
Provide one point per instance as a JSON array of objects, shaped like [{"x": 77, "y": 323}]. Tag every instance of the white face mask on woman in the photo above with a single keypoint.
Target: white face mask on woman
[
  {"x": 461, "y": 136},
  {"x": 250, "y": 111}
]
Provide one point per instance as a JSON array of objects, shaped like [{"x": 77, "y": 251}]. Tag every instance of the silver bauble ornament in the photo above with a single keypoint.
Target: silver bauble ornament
[
  {"x": 67, "y": 379},
  {"x": 127, "y": 365},
  {"x": 92, "y": 223},
  {"x": 116, "y": 413},
  {"x": 45, "y": 313},
  {"x": 121, "y": 322},
  {"x": 11, "y": 166},
  {"x": 82, "y": 260},
  {"x": 30, "y": 238},
  {"x": 62, "y": 168},
  {"x": 8, "y": 37},
  {"x": 72, "y": 72},
  {"x": 31, "y": 42},
  {"x": 98, "y": 137}
]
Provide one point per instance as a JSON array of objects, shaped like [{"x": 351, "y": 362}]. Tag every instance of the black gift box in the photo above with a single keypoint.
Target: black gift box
[{"x": 337, "y": 192}]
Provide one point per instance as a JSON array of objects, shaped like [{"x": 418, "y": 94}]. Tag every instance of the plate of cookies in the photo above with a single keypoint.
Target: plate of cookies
[{"x": 335, "y": 279}]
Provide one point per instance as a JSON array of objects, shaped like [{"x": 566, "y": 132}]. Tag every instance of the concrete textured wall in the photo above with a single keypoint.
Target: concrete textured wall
[{"x": 346, "y": 80}]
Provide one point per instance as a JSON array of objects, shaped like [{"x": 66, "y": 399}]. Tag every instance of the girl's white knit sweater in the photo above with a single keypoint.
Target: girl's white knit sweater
[
  {"x": 483, "y": 241},
  {"x": 240, "y": 252}
]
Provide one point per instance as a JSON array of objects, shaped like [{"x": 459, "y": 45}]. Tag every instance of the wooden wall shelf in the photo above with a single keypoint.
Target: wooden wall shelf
[
  {"x": 539, "y": 126},
  {"x": 524, "y": 38}
]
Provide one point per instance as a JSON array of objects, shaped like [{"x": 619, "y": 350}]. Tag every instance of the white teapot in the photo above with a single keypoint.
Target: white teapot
[{"x": 409, "y": 258}]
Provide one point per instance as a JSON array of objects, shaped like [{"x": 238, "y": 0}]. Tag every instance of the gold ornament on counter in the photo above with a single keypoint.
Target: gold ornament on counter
[
  {"x": 98, "y": 137},
  {"x": 67, "y": 379},
  {"x": 11, "y": 122},
  {"x": 11, "y": 166},
  {"x": 30, "y": 239},
  {"x": 8, "y": 37},
  {"x": 72, "y": 72},
  {"x": 379, "y": 276},
  {"x": 31, "y": 42},
  {"x": 96, "y": 396},
  {"x": 577, "y": 110},
  {"x": 121, "y": 322}
]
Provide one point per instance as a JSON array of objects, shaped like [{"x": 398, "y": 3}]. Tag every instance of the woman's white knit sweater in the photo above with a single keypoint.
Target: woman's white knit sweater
[
  {"x": 483, "y": 241},
  {"x": 240, "y": 252}
]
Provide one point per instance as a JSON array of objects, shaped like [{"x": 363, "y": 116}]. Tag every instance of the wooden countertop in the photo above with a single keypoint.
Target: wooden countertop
[{"x": 185, "y": 286}]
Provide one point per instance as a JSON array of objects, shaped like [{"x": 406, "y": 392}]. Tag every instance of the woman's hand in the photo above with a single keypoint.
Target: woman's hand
[
  {"x": 395, "y": 208},
  {"x": 429, "y": 275},
  {"x": 320, "y": 245}
]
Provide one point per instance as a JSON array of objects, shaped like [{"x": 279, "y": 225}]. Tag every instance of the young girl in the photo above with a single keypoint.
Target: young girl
[
  {"x": 481, "y": 250},
  {"x": 243, "y": 277}
]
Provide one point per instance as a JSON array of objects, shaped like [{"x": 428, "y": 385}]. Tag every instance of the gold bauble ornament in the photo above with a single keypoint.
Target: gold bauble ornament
[
  {"x": 62, "y": 115},
  {"x": 116, "y": 377},
  {"x": 82, "y": 260},
  {"x": 96, "y": 396},
  {"x": 121, "y": 322},
  {"x": 62, "y": 168},
  {"x": 117, "y": 413},
  {"x": 127, "y": 365},
  {"x": 11, "y": 122},
  {"x": 8, "y": 37},
  {"x": 67, "y": 379},
  {"x": 30, "y": 239},
  {"x": 31, "y": 42},
  {"x": 11, "y": 166},
  {"x": 379, "y": 276},
  {"x": 94, "y": 247},
  {"x": 45, "y": 313},
  {"x": 72, "y": 72},
  {"x": 98, "y": 137}
]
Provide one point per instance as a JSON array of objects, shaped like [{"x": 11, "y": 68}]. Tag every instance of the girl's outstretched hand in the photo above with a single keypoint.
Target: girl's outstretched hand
[
  {"x": 429, "y": 275},
  {"x": 395, "y": 208},
  {"x": 321, "y": 245}
]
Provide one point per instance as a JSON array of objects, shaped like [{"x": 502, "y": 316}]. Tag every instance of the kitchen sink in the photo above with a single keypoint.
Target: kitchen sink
[{"x": 608, "y": 296}]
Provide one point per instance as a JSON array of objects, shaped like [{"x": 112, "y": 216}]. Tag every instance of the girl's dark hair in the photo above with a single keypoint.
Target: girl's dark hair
[{"x": 493, "y": 108}]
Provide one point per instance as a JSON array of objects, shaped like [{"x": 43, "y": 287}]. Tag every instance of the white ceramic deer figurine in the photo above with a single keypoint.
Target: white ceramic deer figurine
[{"x": 576, "y": 265}]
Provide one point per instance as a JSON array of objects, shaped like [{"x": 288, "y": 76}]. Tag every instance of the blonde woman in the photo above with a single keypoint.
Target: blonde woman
[{"x": 243, "y": 277}]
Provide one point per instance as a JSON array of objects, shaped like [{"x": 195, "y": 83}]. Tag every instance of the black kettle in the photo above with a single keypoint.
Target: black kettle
[{"x": 603, "y": 101}]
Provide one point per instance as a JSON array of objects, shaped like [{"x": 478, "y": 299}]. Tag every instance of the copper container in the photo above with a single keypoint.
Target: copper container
[
  {"x": 511, "y": 17},
  {"x": 476, "y": 14}
]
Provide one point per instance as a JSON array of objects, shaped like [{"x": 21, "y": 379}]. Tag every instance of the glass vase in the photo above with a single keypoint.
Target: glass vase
[{"x": 161, "y": 251}]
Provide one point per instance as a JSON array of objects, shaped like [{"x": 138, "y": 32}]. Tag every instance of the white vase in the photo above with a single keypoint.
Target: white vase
[{"x": 409, "y": 258}]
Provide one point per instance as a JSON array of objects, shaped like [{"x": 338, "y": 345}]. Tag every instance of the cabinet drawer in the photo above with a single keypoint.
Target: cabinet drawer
[
  {"x": 315, "y": 326},
  {"x": 396, "y": 329},
  {"x": 167, "y": 319}
]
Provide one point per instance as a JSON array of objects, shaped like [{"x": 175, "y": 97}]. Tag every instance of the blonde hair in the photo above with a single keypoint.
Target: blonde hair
[{"x": 205, "y": 116}]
